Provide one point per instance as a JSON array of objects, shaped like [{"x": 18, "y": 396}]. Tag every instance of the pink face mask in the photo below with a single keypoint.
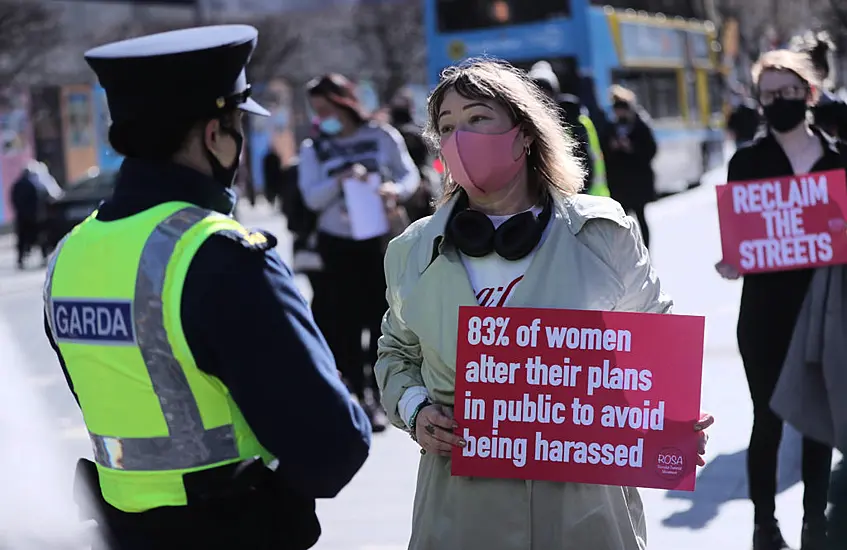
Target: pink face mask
[{"x": 483, "y": 163}]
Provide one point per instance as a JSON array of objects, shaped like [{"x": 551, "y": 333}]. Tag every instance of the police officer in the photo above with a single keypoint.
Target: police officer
[
  {"x": 575, "y": 117},
  {"x": 193, "y": 357}
]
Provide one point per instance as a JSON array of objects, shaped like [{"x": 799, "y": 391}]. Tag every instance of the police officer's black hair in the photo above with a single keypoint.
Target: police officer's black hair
[{"x": 155, "y": 139}]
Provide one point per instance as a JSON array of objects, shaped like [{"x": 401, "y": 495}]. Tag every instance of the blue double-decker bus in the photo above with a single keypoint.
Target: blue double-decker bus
[{"x": 667, "y": 59}]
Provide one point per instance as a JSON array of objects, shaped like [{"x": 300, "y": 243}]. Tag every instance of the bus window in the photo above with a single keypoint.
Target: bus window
[
  {"x": 673, "y": 8},
  {"x": 657, "y": 91},
  {"x": 694, "y": 113},
  {"x": 716, "y": 93},
  {"x": 465, "y": 15}
]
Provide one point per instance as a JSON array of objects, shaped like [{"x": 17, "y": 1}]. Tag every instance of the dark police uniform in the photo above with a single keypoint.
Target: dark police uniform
[{"x": 193, "y": 356}]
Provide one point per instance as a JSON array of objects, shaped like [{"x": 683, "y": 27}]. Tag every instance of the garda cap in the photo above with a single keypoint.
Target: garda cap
[{"x": 184, "y": 73}]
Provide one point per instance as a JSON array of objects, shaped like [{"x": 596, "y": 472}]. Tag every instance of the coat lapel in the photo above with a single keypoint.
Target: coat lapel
[
  {"x": 565, "y": 274},
  {"x": 438, "y": 294}
]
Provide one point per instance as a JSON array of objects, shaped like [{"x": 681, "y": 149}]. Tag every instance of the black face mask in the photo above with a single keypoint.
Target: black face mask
[
  {"x": 785, "y": 114},
  {"x": 222, "y": 174}
]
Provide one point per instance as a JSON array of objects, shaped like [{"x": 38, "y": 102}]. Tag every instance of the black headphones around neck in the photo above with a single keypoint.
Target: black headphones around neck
[{"x": 473, "y": 233}]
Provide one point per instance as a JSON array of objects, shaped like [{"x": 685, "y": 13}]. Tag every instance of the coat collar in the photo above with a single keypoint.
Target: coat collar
[
  {"x": 829, "y": 143},
  {"x": 143, "y": 184},
  {"x": 827, "y": 140}
]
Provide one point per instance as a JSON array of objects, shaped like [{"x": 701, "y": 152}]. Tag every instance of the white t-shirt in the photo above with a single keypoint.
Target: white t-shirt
[{"x": 494, "y": 280}]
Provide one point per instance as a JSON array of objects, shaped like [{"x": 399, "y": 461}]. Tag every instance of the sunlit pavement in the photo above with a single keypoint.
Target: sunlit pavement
[{"x": 42, "y": 435}]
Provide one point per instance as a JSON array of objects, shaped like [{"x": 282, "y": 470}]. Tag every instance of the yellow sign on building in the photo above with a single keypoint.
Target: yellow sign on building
[{"x": 457, "y": 50}]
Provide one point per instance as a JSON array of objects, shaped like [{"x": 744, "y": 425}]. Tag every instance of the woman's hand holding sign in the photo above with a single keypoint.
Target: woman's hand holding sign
[
  {"x": 434, "y": 430},
  {"x": 701, "y": 426},
  {"x": 727, "y": 271},
  {"x": 837, "y": 225}
]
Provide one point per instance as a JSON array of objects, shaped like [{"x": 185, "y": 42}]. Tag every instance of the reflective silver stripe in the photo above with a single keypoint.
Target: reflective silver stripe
[
  {"x": 193, "y": 448},
  {"x": 188, "y": 444},
  {"x": 48, "y": 286}
]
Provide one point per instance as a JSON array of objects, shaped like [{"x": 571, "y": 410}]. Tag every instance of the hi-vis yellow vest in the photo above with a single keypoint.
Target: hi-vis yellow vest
[
  {"x": 112, "y": 298},
  {"x": 599, "y": 186}
]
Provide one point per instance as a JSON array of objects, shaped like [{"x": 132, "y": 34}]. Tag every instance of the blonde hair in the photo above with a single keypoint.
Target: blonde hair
[
  {"x": 554, "y": 169},
  {"x": 797, "y": 63},
  {"x": 618, "y": 93}
]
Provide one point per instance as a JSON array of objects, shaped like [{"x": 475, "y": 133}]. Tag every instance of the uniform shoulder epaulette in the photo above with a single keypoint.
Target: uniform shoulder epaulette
[{"x": 254, "y": 240}]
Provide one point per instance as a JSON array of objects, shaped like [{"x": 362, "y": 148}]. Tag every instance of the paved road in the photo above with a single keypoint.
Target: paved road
[{"x": 41, "y": 432}]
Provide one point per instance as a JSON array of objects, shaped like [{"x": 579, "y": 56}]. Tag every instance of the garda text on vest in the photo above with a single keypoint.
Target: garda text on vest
[{"x": 93, "y": 321}]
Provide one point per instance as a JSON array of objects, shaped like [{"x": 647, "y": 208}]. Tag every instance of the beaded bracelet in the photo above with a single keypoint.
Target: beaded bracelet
[{"x": 413, "y": 420}]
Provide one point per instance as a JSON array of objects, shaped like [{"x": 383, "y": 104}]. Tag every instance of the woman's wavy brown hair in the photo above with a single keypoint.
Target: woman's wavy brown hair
[{"x": 554, "y": 169}]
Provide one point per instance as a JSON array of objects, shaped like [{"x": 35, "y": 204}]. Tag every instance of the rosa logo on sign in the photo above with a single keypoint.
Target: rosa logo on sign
[{"x": 670, "y": 463}]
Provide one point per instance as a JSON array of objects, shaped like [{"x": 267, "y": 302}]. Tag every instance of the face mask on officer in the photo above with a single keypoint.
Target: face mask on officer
[{"x": 223, "y": 145}]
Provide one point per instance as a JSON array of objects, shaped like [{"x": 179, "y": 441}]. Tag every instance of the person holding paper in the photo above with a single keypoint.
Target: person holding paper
[
  {"x": 770, "y": 302},
  {"x": 370, "y": 160},
  {"x": 511, "y": 230}
]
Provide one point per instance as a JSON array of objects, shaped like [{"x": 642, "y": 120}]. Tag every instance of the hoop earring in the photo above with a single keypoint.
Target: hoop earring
[{"x": 527, "y": 149}]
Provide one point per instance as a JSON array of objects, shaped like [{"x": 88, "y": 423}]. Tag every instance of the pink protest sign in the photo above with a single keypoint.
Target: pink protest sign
[
  {"x": 578, "y": 396},
  {"x": 785, "y": 223}
]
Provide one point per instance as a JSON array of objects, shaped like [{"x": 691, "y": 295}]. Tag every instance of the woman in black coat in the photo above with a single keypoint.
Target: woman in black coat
[
  {"x": 770, "y": 302},
  {"x": 629, "y": 150}
]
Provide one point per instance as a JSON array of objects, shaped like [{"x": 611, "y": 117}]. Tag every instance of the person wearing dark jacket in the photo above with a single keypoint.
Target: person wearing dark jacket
[
  {"x": 29, "y": 200},
  {"x": 569, "y": 110},
  {"x": 830, "y": 111},
  {"x": 770, "y": 302},
  {"x": 744, "y": 121},
  {"x": 629, "y": 149},
  {"x": 213, "y": 403},
  {"x": 272, "y": 172},
  {"x": 420, "y": 205}
]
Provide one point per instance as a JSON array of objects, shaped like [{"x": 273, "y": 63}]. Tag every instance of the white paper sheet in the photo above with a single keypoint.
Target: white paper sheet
[{"x": 365, "y": 208}]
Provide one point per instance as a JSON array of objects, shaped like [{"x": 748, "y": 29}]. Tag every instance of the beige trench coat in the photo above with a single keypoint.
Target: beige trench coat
[{"x": 592, "y": 258}]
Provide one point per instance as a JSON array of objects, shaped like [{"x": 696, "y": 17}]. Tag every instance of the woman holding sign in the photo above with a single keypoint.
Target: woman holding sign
[
  {"x": 512, "y": 230},
  {"x": 771, "y": 301}
]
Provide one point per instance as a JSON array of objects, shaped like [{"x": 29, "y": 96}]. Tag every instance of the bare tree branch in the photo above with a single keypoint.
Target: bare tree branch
[
  {"x": 28, "y": 32},
  {"x": 279, "y": 42},
  {"x": 391, "y": 37},
  {"x": 137, "y": 26}
]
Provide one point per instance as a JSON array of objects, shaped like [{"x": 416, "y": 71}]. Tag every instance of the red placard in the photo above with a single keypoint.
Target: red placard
[
  {"x": 598, "y": 397},
  {"x": 785, "y": 223}
]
